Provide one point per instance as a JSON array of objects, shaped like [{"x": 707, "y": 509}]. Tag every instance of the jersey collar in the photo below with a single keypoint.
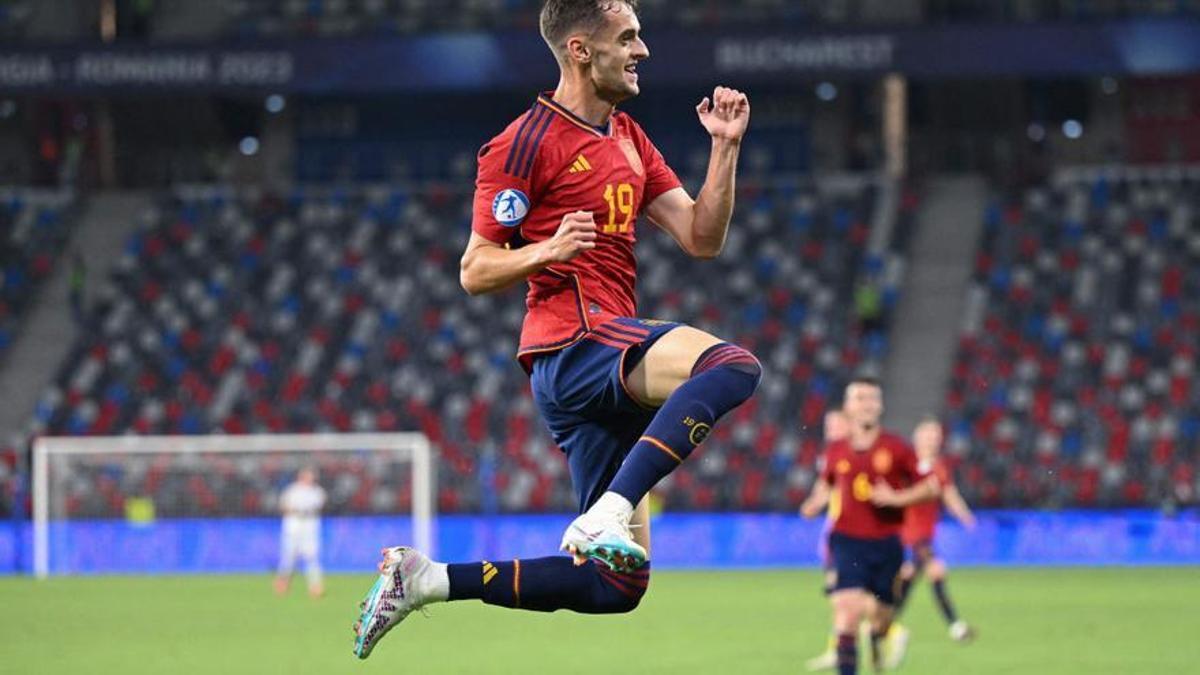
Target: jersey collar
[{"x": 547, "y": 99}]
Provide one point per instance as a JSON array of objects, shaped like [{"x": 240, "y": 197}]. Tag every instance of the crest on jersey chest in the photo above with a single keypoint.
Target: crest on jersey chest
[
  {"x": 881, "y": 461},
  {"x": 632, "y": 156}
]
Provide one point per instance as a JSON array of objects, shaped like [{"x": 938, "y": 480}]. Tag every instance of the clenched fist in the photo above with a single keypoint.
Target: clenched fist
[
  {"x": 576, "y": 234},
  {"x": 727, "y": 115}
]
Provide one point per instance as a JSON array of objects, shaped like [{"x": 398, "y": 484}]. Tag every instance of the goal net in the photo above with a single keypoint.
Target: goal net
[{"x": 205, "y": 504}]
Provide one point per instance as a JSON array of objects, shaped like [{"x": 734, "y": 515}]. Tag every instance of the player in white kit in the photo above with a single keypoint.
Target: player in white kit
[{"x": 301, "y": 504}]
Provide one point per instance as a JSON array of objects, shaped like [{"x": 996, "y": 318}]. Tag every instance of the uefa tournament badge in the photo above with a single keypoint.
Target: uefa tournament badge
[{"x": 510, "y": 207}]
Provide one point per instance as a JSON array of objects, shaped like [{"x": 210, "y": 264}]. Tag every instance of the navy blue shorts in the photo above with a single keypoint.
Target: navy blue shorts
[
  {"x": 580, "y": 391},
  {"x": 869, "y": 564}
]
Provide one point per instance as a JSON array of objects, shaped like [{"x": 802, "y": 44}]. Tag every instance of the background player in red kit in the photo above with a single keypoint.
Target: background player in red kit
[
  {"x": 920, "y": 528},
  {"x": 835, "y": 428},
  {"x": 875, "y": 473},
  {"x": 557, "y": 200}
]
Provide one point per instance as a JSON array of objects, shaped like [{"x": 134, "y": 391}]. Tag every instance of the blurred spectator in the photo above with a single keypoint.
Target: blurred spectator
[
  {"x": 868, "y": 307},
  {"x": 339, "y": 310},
  {"x": 1074, "y": 379}
]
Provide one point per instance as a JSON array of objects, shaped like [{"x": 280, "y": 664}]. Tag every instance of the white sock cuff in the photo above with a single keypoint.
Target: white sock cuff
[
  {"x": 439, "y": 582},
  {"x": 612, "y": 502}
]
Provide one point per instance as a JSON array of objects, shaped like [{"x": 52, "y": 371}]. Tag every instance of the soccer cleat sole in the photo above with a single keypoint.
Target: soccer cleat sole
[
  {"x": 617, "y": 558},
  {"x": 370, "y": 605}
]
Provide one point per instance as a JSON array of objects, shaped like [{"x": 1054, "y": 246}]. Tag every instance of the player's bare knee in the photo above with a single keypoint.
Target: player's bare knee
[
  {"x": 847, "y": 621},
  {"x": 849, "y": 608},
  {"x": 936, "y": 570}
]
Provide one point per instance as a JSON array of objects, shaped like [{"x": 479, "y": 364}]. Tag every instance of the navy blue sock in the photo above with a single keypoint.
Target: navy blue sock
[
  {"x": 943, "y": 600},
  {"x": 549, "y": 584},
  {"x": 724, "y": 377},
  {"x": 847, "y": 654}
]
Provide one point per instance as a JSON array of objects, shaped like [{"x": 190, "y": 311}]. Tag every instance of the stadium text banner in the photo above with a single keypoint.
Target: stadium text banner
[
  {"x": 687, "y": 540},
  {"x": 481, "y": 61}
]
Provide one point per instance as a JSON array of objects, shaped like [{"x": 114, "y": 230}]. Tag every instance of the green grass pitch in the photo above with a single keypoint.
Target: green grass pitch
[{"x": 1035, "y": 621}]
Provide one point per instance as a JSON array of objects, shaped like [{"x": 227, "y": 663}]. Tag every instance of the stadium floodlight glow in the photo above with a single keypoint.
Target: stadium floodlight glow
[
  {"x": 275, "y": 104},
  {"x": 1072, "y": 129},
  {"x": 1036, "y": 132},
  {"x": 827, "y": 91},
  {"x": 248, "y": 146}
]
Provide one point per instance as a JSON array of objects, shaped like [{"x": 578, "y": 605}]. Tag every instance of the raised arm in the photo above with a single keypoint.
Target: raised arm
[
  {"x": 488, "y": 267},
  {"x": 957, "y": 506},
  {"x": 699, "y": 226},
  {"x": 923, "y": 490}
]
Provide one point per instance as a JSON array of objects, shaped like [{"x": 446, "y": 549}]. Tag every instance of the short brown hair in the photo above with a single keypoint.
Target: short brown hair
[
  {"x": 868, "y": 380},
  {"x": 560, "y": 18}
]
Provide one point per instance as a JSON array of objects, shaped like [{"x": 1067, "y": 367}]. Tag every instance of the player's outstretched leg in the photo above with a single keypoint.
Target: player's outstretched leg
[
  {"x": 314, "y": 576},
  {"x": 826, "y": 660},
  {"x": 288, "y": 553},
  {"x": 896, "y": 642},
  {"x": 908, "y": 576},
  {"x": 895, "y": 646},
  {"x": 409, "y": 580},
  {"x": 720, "y": 379},
  {"x": 960, "y": 631},
  {"x": 850, "y": 607}
]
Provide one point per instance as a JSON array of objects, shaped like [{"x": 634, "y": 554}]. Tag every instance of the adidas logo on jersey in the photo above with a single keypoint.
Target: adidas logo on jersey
[{"x": 580, "y": 165}]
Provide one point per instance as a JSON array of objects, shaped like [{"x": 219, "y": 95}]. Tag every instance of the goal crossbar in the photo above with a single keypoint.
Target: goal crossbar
[{"x": 414, "y": 447}]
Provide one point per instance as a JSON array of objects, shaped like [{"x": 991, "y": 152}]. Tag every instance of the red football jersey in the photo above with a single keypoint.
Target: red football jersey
[
  {"x": 853, "y": 474},
  {"x": 920, "y": 520},
  {"x": 549, "y": 163}
]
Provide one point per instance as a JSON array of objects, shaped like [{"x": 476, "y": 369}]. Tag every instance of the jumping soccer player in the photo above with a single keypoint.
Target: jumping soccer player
[
  {"x": 556, "y": 204},
  {"x": 920, "y": 527},
  {"x": 301, "y": 504},
  {"x": 876, "y": 475}
]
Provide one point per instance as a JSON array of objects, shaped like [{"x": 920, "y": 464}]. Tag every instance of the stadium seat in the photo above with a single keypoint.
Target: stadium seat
[
  {"x": 34, "y": 227},
  {"x": 339, "y": 310},
  {"x": 1085, "y": 340}
]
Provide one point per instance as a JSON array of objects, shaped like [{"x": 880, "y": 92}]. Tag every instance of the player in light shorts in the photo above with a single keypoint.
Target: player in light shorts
[{"x": 300, "y": 538}]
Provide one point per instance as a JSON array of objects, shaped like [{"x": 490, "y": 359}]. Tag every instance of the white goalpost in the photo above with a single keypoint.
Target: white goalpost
[{"x": 109, "y": 480}]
